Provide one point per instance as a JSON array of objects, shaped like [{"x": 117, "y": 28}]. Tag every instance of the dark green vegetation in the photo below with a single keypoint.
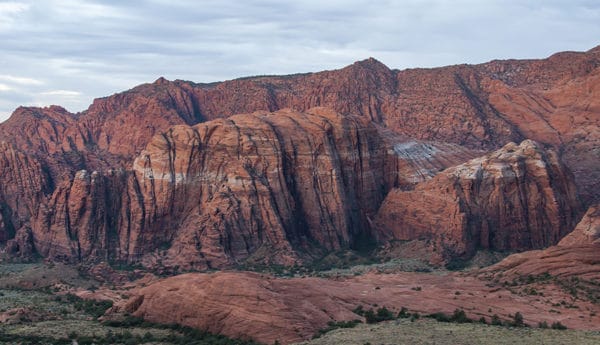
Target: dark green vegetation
[
  {"x": 182, "y": 335},
  {"x": 369, "y": 258},
  {"x": 459, "y": 316},
  {"x": 374, "y": 316},
  {"x": 333, "y": 325},
  {"x": 92, "y": 307}
]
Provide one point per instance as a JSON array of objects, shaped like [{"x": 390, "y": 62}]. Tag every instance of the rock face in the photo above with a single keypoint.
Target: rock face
[
  {"x": 587, "y": 230},
  {"x": 24, "y": 183},
  {"x": 78, "y": 185},
  {"x": 553, "y": 101},
  {"x": 517, "y": 198},
  {"x": 276, "y": 188},
  {"x": 575, "y": 256},
  {"x": 267, "y": 183}
]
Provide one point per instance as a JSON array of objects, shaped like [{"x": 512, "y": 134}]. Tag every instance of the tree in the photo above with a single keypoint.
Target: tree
[{"x": 518, "y": 320}]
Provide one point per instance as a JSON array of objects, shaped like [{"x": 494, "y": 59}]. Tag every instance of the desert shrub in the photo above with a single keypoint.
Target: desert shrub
[
  {"x": 375, "y": 316},
  {"x": 403, "y": 314},
  {"x": 558, "y": 325},
  {"x": 496, "y": 320},
  {"x": 518, "y": 320},
  {"x": 6, "y": 338},
  {"x": 384, "y": 314},
  {"x": 148, "y": 337},
  {"x": 414, "y": 317},
  {"x": 128, "y": 321},
  {"x": 370, "y": 316},
  {"x": 359, "y": 310},
  {"x": 332, "y": 325},
  {"x": 439, "y": 316},
  {"x": 459, "y": 316},
  {"x": 96, "y": 308}
]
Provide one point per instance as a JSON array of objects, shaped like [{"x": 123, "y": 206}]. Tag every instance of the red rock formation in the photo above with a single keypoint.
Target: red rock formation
[
  {"x": 552, "y": 100},
  {"x": 587, "y": 230},
  {"x": 40, "y": 130},
  {"x": 576, "y": 256},
  {"x": 280, "y": 188},
  {"x": 268, "y": 183},
  {"x": 241, "y": 304},
  {"x": 23, "y": 185},
  {"x": 518, "y": 198}
]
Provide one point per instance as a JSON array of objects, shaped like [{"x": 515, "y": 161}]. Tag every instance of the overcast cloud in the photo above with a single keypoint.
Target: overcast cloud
[{"x": 68, "y": 52}]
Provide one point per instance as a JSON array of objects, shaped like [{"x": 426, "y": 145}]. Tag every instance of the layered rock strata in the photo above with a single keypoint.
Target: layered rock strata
[
  {"x": 518, "y": 198},
  {"x": 274, "y": 188}
]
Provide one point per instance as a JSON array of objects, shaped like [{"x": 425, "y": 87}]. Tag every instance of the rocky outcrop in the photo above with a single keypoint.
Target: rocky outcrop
[
  {"x": 587, "y": 230},
  {"x": 264, "y": 182},
  {"x": 575, "y": 258},
  {"x": 279, "y": 188},
  {"x": 89, "y": 216},
  {"x": 518, "y": 198},
  {"x": 288, "y": 310},
  {"x": 564, "y": 115},
  {"x": 23, "y": 185},
  {"x": 20, "y": 247},
  {"x": 565, "y": 262}
]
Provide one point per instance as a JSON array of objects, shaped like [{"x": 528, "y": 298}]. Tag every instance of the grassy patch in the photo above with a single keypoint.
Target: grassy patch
[{"x": 94, "y": 308}]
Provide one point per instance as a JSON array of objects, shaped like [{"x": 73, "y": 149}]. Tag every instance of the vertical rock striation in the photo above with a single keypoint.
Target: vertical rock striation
[{"x": 517, "y": 198}]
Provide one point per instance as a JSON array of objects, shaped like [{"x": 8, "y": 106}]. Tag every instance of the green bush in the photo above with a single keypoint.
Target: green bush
[
  {"x": 496, "y": 320},
  {"x": 403, "y": 314},
  {"x": 370, "y": 316},
  {"x": 332, "y": 325},
  {"x": 439, "y": 316},
  {"x": 95, "y": 308},
  {"x": 518, "y": 320},
  {"x": 359, "y": 310},
  {"x": 382, "y": 314},
  {"x": 128, "y": 322},
  {"x": 459, "y": 316}
]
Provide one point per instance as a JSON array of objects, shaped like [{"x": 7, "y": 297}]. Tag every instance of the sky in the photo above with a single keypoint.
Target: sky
[{"x": 69, "y": 52}]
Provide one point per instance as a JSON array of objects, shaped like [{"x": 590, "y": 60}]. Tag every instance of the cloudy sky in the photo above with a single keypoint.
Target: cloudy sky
[{"x": 68, "y": 52}]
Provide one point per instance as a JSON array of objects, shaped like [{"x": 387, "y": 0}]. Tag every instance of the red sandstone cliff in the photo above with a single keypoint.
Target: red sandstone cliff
[
  {"x": 517, "y": 198},
  {"x": 587, "y": 231},
  {"x": 575, "y": 257},
  {"x": 69, "y": 211},
  {"x": 553, "y": 101},
  {"x": 269, "y": 187}
]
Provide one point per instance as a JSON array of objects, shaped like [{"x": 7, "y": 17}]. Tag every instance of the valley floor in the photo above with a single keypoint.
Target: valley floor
[
  {"x": 430, "y": 332},
  {"x": 51, "y": 303}
]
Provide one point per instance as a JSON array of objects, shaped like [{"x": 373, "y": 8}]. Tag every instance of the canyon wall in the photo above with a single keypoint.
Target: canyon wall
[{"x": 141, "y": 175}]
